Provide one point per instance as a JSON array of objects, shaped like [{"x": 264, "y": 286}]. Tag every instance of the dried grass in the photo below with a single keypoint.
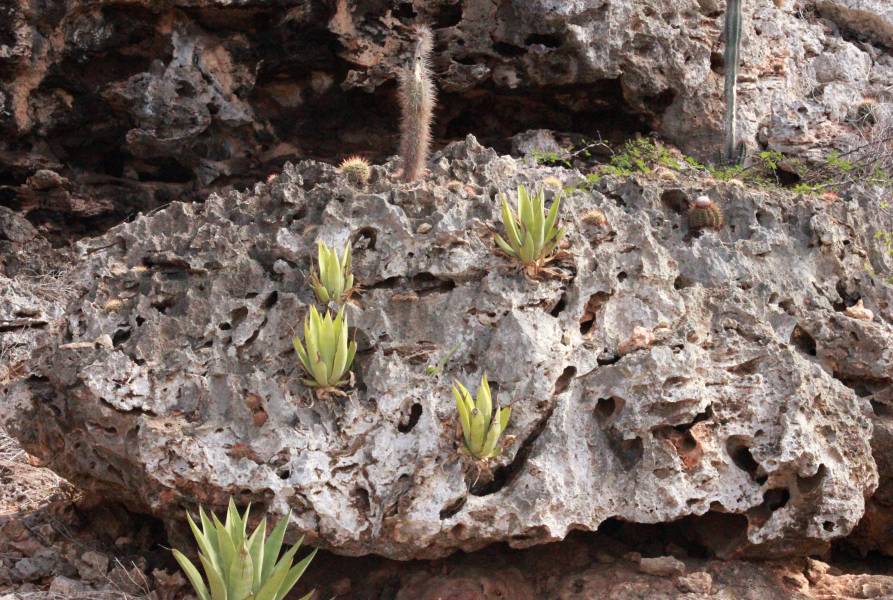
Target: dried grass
[{"x": 9, "y": 449}]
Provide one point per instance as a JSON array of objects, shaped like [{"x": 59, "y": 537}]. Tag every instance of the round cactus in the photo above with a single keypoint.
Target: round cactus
[
  {"x": 705, "y": 214},
  {"x": 596, "y": 218},
  {"x": 356, "y": 169}
]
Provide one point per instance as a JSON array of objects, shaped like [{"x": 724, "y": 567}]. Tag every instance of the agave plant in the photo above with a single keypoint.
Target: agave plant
[
  {"x": 334, "y": 281},
  {"x": 532, "y": 235},
  {"x": 481, "y": 426},
  {"x": 238, "y": 566},
  {"x": 326, "y": 354}
]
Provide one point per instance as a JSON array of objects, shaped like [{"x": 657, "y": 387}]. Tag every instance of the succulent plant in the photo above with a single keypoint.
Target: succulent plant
[
  {"x": 417, "y": 97},
  {"x": 705, "y": 214},
  {"x": 333, "y": 280},
  {"x": 732, "y": 61},
  {"x": 238, "y": 566},
  {"x": 595, "y": 217},
  {"x": 356, "y": 169},
  {"x": 532, "y": 235},
  {"x": 325, "y": 354},
  {"x": 481, "y": 425}
]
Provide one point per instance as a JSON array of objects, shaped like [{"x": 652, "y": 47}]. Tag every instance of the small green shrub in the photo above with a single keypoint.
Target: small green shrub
[
  {"x": 238, "y": 566},
  {"x": 326, "y": 355},
  {"x": 333, "y": 280},
  {"x": 532, "y": 234},
  {"x": 481, "y": 425}
]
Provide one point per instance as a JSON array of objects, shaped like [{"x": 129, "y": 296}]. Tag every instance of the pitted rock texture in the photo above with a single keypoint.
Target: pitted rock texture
[
  {"x": 743, "y": 405},
  {"x": 127, "y": 106}
]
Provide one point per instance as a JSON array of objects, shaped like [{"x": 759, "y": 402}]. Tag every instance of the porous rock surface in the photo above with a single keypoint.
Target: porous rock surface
[
  {"x": 174, "y": 381},
  {"x": 111, "y": 107}
]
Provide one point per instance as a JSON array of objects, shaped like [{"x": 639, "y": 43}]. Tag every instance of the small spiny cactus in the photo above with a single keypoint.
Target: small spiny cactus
[
  {"x": 705, "y": 214},
  {"x": 596, "y": 218},
  {"x": 417, "y": 99},
  {"x": 357, "y": 170}
]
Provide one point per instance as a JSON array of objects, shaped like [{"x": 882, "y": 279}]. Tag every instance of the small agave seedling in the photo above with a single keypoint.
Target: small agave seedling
[
  {"x": 357, "y": 170},
  {"x": 333, "y": 280},
  {"x": 532, "y": 235},
  {"x": 238, "y": 566},
  {"x": 326, "y": 354},
  {"x": 481, "y": 426}
]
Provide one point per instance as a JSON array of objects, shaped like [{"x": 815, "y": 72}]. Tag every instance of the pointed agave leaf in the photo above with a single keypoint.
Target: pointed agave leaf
[
  {"x": 341, "y": 353},
  {"x": 204, "y": 544},
  {"x": 294, "y": 575},
  {"x": 241, "y": 576},
  {"x": 215, "y": 579},
  {"x": 201, "y": 590},
  {"x": 351, "y": 353},
  {"x": 335, "y": 274},
  {"x": 484, "y": 402},
  {"x": 490, "y": 442},
  {"x": 235, "y": 524},
  {"x": 256, "y": 551},
  {"x": 508, "y": 220},
  {"x": 321, "y": 259},
  {"x": 226, "y": 549},
  {"x": 464, "y": 416},
  {"x": 478, "y": 432},
  {"x": 524, "y": 207},
  {"x": 552, "y": 219},
  {"x": 302, "y": 354},
  {"x": 538, "y": 219},
  {"x": 503, "y": 417},
  {"x": 504, "y": 246},
  {"x": 273, "y": 546},
  {"x": 322, "y": 294},
  {"x": 274, "y": 582},
  {"x": 528, "y": 250},
  {"x": 346, "y": 257},
  {"x": 210, "y": 534},
  {"x": 320, "y": 372},
  {"x": 327, "y": 341},
  {"x": 311, "y": 338}
]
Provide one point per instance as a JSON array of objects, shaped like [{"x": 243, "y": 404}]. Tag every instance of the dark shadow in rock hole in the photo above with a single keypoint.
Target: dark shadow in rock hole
[
  {"x": 564, "y": 380},
  {"x": 607, "y": 409},
  {"x": 807, "y": 485},
  {"x": 738, "y": 448},
  {"x": 628, "y": 451},
  {"x": 556, "y": 310},
  {"x": 803, "y": 341},
  {"x": 415, "y": 413},
  {"x": 590, "y": 312},
  {"x": 453, "y": 508},
  {"x": 676, "y": 200}
]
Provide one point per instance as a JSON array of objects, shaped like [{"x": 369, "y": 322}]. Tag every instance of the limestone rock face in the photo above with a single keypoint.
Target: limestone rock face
[
  {"x": 174, "y": 381},
  {"x": 134, "y": 104}
]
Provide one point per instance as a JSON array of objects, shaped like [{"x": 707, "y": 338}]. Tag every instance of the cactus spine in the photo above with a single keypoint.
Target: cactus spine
[
  {"x": 733, "y": 46},
  {"x": 417, "y": 99}
]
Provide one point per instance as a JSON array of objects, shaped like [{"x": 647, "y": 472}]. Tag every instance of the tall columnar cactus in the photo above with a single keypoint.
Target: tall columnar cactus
[
  {"x": 733, "y": 46},
  {"x": 417, "y": 100}
]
